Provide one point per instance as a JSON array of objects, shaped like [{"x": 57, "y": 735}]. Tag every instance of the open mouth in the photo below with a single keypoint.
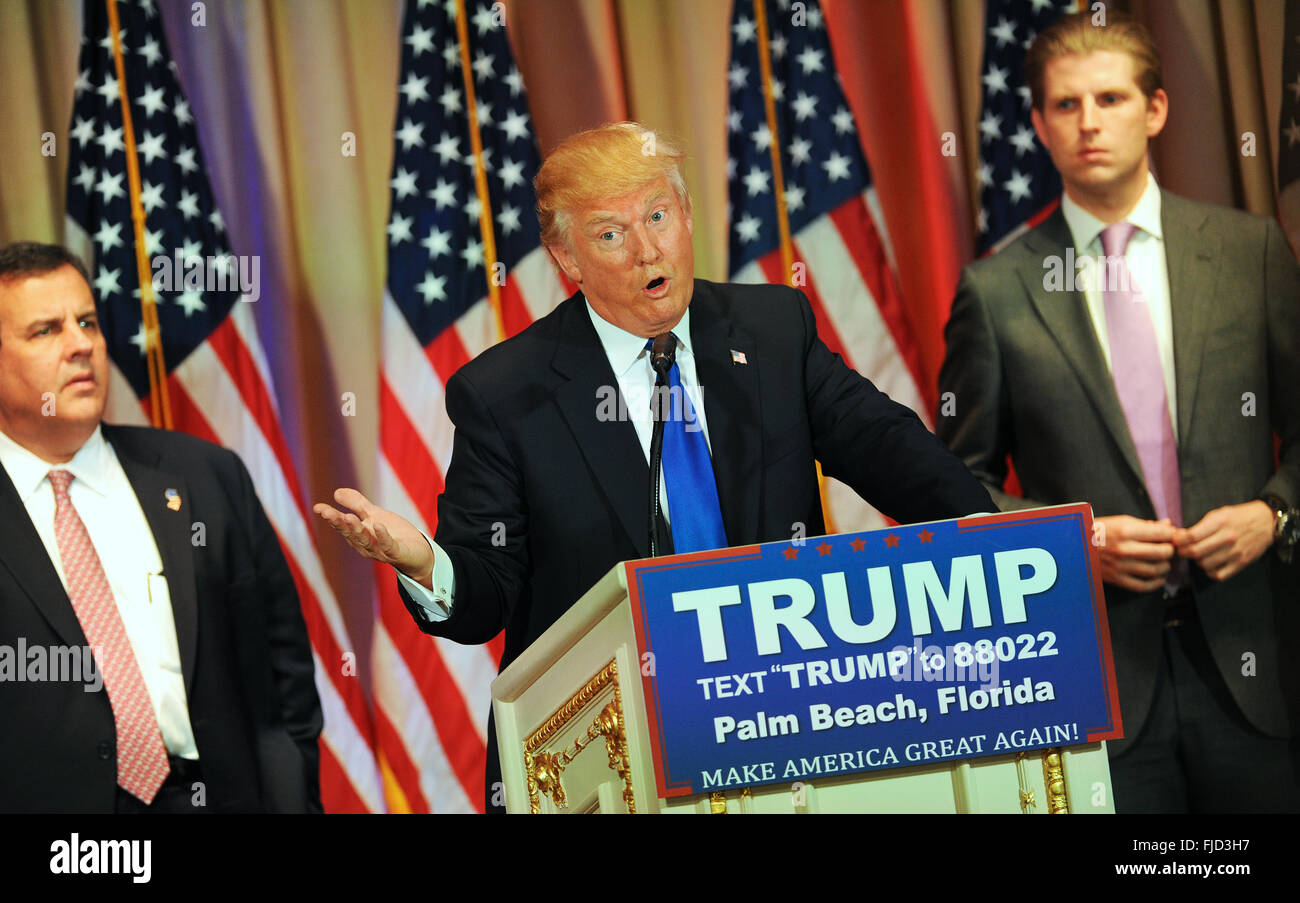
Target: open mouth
[{"x": 654, "y": 283}]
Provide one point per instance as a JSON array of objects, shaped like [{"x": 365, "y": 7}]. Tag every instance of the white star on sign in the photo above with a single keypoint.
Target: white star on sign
[
  {"x": 82, "y": 84},
  {"x": 399, "y": 229},
  {"x": 515, "y": 125},
  {"x": 756, "y": 181},
  {"x": 433, "y": 288},
  {"x": 1295, "y": 86},
  {"x": 511, "y": 173},
  {"x": 843, "y": 121},
  {"x": 508, "y": 219},
  {"x": 191, "y": 301},
  {"x": 837, "y": 167},
  {"x": 83, "y": 131},
  {"x": 153, "y": 242},
  {"x": 151, "y": 197},
  {"x": 109, "y": 235},
  {"x": 1004, "y": 31},
  {"x": 450, "y": 100},
  {"x": 411, "y": 134},
  {"x": 810, "y": 60},
  {"x": 1023, "y": 140},
  {"x": 437, "y": 243},
  {"x": 485, "y": 20},
  {"x": 733, "y": 121},
  {"x": 140, "y": 339},
  {"x": 106, "y": 283},
  {"x": 1017, "y": 186},
  {"x": 473, "y": 254},
  {"x": 744, "y": 30},
  {"x": 737, "y": 75},
  {"x": 415, "y": 88},
  {"x": 762, "y": 137},
  {"x": 403, "y": 183},
  {"x": 515, "y": 81},
  {"x": 189, "y": 204},
  {"x": 151, "y": 147},
  {"x": 150, "y": 51},
  {"x": 444, "y": 195},
  {"x": 151, "y": 101},
  {"x": 1292, "y": 133},
  {"x": 108, "y": 90},
  {"x": 747, "y": 229},
  {"x": 110, "y": 140},
  {"x": 985, "y": 174},
  {"x": 778, "y": 46},
  {"x": 794, "y": 198},
  {"x": 447, "y": 149},
  {"x": 85, "y": 177},
  {"x": 482, "y": 65},
  {"x": 800, "y": 150},
  {"x": 804, "y": 106},
  {"x": 995, "y": 79},
  {"x": 110, "y": 186},
  {"x": 420, "y": 39},
  {"x": 990, "y": 126},
  {"x": 182, "y": 112},
  {"x": 185, "y": 160}
]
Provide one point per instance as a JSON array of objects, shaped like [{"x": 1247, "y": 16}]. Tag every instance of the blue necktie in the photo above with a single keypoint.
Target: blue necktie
[{"x": 688, "y": 473}]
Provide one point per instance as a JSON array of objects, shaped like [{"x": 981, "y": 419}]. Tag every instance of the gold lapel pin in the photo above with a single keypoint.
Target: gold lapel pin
[
  {"x": 738, "y": 357},
  {"x": 173, "y": 499}
]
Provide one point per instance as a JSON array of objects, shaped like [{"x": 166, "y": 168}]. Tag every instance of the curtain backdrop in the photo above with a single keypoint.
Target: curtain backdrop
[{"x": 277, "y": 85}]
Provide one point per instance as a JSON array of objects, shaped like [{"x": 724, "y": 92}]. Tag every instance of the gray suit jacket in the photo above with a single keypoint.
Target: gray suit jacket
[{"x": 1029, "y": 381}]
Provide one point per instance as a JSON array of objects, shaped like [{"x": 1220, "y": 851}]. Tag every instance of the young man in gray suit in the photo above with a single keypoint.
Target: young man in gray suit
[{"x": 1151, "y": 391}]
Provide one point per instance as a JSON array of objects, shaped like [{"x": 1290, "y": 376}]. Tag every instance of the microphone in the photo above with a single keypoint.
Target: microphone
[{"x": 663, "y": 352}]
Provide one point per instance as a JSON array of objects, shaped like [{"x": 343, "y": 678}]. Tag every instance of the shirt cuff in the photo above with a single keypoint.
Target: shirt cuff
[{"x": 436, "y": 602}]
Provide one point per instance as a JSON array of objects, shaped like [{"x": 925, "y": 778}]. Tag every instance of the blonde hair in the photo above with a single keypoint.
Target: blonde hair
[
  {"x": 1075, "y": 34},
  {"x": 601, "y": 163}
]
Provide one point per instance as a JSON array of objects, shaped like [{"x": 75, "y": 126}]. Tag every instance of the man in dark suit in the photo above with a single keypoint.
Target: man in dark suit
[
  {"x": 1151, "y": 391},
  {"x": 548, "y": 485},
  {"x": 152, "y": 549}
]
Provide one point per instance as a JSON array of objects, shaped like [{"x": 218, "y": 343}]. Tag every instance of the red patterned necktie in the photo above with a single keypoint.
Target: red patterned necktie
[{"x": 141, "y": 756}]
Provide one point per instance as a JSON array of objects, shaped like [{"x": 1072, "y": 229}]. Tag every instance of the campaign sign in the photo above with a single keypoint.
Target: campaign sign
[{"x": 911, "y": 645}]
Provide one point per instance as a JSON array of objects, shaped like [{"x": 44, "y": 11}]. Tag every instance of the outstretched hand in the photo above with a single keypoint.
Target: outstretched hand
[{"x": 380, "y": 534}]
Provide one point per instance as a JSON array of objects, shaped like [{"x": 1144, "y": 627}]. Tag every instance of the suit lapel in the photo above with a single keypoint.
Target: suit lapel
[
  {"x": 1191, "y": 252},
  {"x": 731, "y": 405},
  {"x": 27, "y": 560},
  {"x": 1065, "y": 314},
  {"x": 610, "y": 447},
  {"x": 171, "y": 532}
]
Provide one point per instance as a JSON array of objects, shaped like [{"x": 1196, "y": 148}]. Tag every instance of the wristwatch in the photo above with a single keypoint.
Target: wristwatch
[{"x": 1286, "y": 526}]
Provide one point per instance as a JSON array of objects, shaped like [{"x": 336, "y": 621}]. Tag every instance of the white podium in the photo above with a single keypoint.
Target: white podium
[{"x": 574, "y": 737}]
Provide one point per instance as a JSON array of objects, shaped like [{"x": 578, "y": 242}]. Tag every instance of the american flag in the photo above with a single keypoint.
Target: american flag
[
  {"x": 432, "y": 695},
  {"x": 1288, "y": 152},
  {"x": 1018, "y": 184},
  {"x": 217, "y": 375},
  {"x": 848, "y": 271}
]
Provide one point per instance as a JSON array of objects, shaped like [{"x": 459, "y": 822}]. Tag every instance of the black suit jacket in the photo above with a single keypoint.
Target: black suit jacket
[
  {"x": 1028, "y": 379},
  {"x": 532, "y": 454},
  {"x": 245, "y": 655}
]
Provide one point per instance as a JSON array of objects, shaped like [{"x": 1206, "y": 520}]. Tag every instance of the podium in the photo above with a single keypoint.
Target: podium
[{"x": 575, "y": 737}]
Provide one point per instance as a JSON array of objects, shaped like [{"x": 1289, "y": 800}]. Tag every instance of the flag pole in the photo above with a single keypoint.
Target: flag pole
[
  {"x": 778, "y": 190},
  {"x": 160, "y": 413},
  {"x": 480, "y": 174}
]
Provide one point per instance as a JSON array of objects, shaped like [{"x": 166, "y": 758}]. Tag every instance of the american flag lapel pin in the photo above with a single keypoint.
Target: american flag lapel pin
[
  {"x": 173, "y": 499},
  {"x": 738, "y": 357}
]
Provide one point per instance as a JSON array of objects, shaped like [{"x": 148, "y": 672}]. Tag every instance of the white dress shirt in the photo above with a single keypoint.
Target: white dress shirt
[
  {"x": 1150, "y": 271},
  {"x": 124, "y": 542},
  {"x": 630, "y": 362}
]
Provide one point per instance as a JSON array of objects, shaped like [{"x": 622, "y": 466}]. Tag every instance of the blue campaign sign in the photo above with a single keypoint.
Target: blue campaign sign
[{"x": 905, "y": 646}]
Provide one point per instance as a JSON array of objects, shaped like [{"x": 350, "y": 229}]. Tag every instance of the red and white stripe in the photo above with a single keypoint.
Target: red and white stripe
[
  {"x": 850, "y": 282},
  {"x": 431, "y": 695},
  {"x": 222, "y": 393}
]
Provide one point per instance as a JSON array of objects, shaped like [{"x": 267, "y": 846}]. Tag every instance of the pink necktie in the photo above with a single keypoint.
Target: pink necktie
[
  {"x": 141, "y": 756},
  {"x": 1140, "y": 380}
]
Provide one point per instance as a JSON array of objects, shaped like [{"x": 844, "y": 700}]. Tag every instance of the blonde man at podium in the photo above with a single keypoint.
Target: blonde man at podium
[{"x": 548, "y": 485}]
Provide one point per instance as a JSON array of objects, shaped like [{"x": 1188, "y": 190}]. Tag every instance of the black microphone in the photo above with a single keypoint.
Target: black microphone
[{"x": 663, "y": 352}]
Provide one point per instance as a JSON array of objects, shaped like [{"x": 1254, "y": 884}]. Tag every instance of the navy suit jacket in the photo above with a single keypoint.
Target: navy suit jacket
[{"x": 571, "y": 489}]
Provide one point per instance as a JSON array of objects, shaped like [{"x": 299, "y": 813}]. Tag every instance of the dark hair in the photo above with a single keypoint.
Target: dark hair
[
  {"x": 32, "y": 258},
  {"x": 1076, "y": 34}
]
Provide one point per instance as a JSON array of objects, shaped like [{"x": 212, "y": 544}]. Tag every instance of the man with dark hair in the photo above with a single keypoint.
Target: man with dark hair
[
  {"x": 146, "y": 557},
  {"x": 1150, "y": 384}
]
